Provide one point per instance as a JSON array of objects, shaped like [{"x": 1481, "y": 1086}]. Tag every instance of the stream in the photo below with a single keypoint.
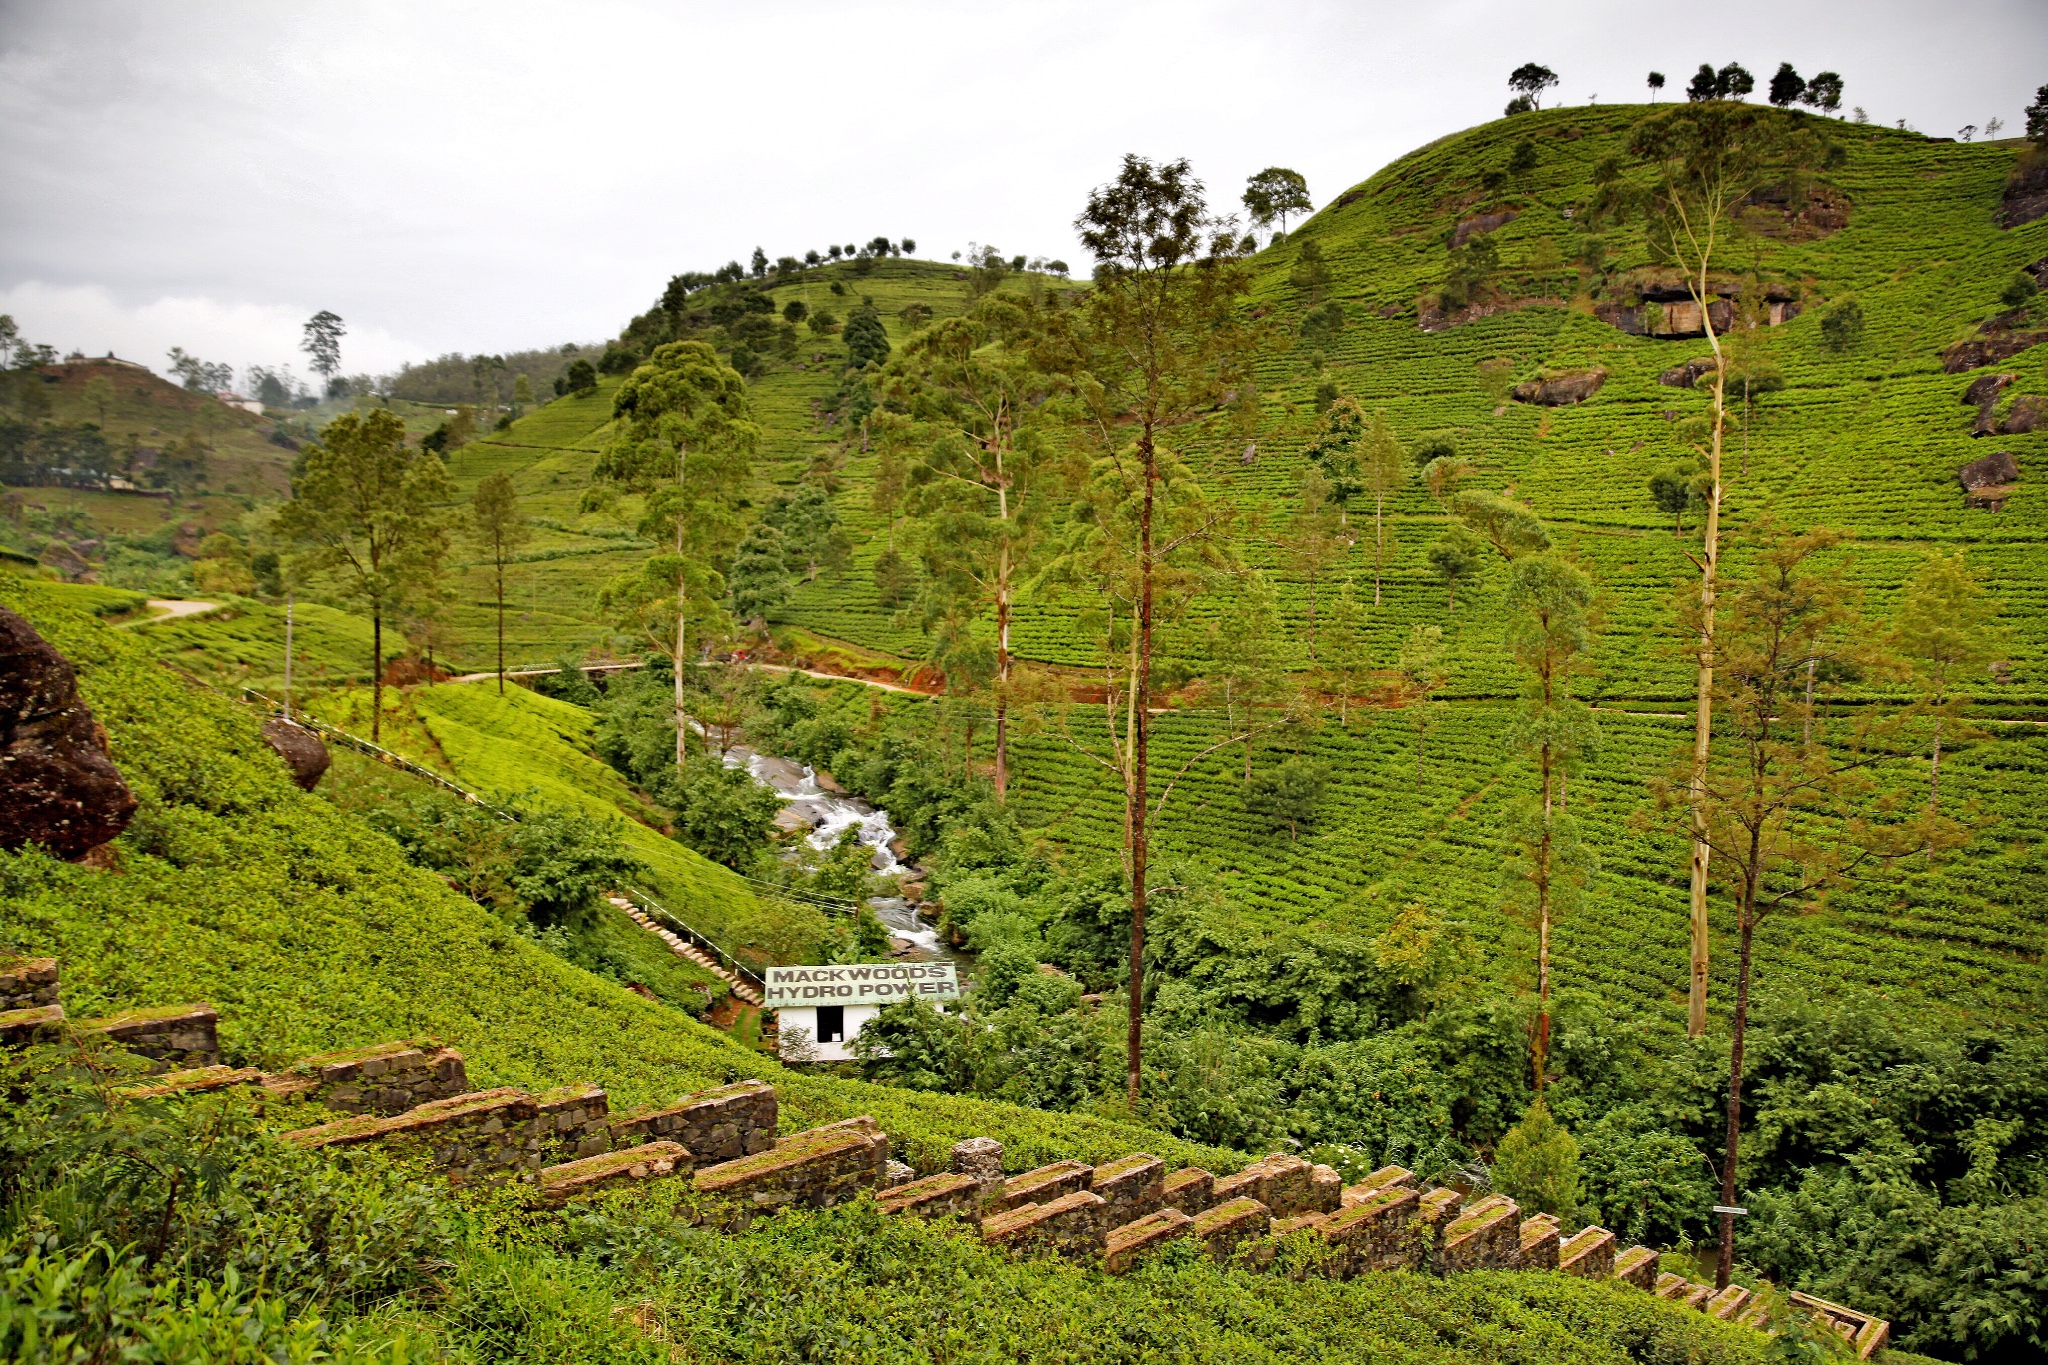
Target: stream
[{"x": 828, "y": 815}]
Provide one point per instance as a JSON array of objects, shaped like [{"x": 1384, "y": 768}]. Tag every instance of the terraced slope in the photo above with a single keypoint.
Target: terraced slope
[{"x": 1867, "y": 440}]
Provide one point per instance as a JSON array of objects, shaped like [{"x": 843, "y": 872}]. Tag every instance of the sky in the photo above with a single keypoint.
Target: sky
[{"x": 491, "y": 177}]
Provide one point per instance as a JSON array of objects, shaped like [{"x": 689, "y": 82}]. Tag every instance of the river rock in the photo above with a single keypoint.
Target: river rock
[
  {"x": 301, "y": 749},
  {"x": 1560, "y": 390},
  {"x": 58, "y": 786},
  {"x": 827, "y": 783}
]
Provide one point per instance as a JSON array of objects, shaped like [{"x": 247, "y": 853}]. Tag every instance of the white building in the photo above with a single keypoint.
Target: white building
[{"x": 821, "y": 1010}]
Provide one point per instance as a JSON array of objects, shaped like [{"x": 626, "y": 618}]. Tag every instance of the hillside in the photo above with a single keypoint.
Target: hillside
[{"x": 1867, "y": 440}]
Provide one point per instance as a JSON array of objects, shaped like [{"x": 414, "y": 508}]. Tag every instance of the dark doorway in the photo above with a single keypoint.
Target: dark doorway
[{"x": 831, "y": 1023}]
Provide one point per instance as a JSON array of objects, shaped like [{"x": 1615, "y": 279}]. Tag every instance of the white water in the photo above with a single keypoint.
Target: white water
[{"x": 828, "y": 815}]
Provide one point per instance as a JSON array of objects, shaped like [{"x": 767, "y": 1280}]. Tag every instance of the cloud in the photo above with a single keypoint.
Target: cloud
[{"x": 89, "y": 318}]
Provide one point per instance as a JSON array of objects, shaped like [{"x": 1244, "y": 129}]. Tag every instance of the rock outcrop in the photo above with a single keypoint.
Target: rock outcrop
[
  {"x": 2026, "y": 192},
  {"x": 1485, "y": 222},
  {"x": 1690, "y": 373},
  {"x": 1983, "y": 396},
  {"x": 302, "y": 751},
  {"x": 1557, "y": 391},
  {"x": 58, "y": 786},
  {"x": 1988, "y": 482}
]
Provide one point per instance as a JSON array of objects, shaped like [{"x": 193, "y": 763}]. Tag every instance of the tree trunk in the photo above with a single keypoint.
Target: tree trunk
[
  {"x": 1726, "y": 1264},
  {"x": 1003, "y": 677},
  {"x": 290, "y": 599},
  {"x": 1141, "y": 724},
  {"x": 501, "y": 624},
  {"x": 1703, "y": 721},
  {"x": 682, "y": 619},
  {"x": 376, "y": 671},
  {"x": 1543, "y": 922},
  {"x": 1379, "y": 543},
  {"x": 1934, "y": 772}
]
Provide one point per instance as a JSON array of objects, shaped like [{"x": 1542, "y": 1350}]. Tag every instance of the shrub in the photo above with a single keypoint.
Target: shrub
[
  {"x": 1842, "y": 328},
  {"x": 1537, "y": 1164}
]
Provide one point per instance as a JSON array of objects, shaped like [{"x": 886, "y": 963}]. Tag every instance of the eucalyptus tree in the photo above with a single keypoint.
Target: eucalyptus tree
[
  {"x": 965, "y": 430},
  {"x": 498, "y": 530},
  {"x": 684, "y": 435},
  {"x": 1159, "y": 344},
  {"x": 1691, "y": 169},
  {"x": 1551, "y": 626},
  {"x": 1276, "y": 193},
  {"x": 366, "y": 514}
]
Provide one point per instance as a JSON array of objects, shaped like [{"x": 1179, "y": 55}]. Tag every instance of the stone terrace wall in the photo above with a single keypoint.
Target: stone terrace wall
[
  {"x": 383, "y": 1078},
  {"x": 28, "y": 983}
]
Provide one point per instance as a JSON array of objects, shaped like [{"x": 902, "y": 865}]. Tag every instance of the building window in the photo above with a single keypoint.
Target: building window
[{"x": 831, "y": 1023}]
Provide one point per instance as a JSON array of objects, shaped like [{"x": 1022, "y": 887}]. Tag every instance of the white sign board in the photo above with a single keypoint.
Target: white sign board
[{"x": 868, "y": 983}]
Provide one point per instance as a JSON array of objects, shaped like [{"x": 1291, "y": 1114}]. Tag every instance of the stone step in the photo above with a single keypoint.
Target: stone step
[
  {"x": 1486, "y": 1236},
  {"x": 1729, "y": 1303},
  {"x": 1589, "y": 1253}
]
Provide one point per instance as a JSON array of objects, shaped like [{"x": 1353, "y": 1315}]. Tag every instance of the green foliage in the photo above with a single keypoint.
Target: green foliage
[
  {"x": 726, "y": 815},
  {"x": 867, "y": 341},
  {"x": 1537, "y": 1164},
  {"x": 813, "y": 540},
  {"x": 1842, "y": 327},
  {"x": 1287, "y": 794},
  {"x": 760, "y": 577},
  {"x": 1276, "y": 193}
]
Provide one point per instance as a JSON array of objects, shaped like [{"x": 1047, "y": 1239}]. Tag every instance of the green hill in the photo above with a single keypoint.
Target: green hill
[{"x": 1867, "y": 440}]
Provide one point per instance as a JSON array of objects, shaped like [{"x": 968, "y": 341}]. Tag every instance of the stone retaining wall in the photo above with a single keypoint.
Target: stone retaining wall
[
  {"x": 1075, "y": 1225},
  {"x": 1191, "y": 1190},
  {"x": 817, "y": 1169},
  {"x": 594, "y": 1174},
  {"x": 1224, "y": 1228},
  {"x": 1132, "y": 1188},
  {"x": 383, "y": 1078},
  {"x": 1045, "y": 1184},
  {"x": 28, "y": 983},
  {"x": 948, "y": 1195},
  {"x": 1124, "y": 1245},
  {"x": 717, "y": 1125},
  {"x": 487, "y": 1135},
  {"x": 173, "y": 1038}
]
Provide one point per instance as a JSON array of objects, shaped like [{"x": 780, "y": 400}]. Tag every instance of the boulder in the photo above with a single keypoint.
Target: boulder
[
  {"x": 1686, "y": 375},
  {"x": 2029, "y": 413},
  {"x": 1999, "y": 467},
  {"x": 1485, "y": 222},
  {"x": 1985, "y": 390},
  {"x": 301, "y": 749},
  {"x": 1559, "y": 390},
  {"x": 58, "y": 787}
]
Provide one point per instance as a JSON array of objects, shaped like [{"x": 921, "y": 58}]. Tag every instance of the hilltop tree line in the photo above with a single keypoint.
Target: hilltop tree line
[{"x": 1732, "y": 81}]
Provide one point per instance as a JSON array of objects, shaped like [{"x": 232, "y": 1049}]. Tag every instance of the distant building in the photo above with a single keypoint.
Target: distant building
[{"x": 235, "y": 400}]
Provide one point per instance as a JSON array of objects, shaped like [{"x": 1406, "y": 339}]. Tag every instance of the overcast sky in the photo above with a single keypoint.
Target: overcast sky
[{"x": 495, "y": 176}]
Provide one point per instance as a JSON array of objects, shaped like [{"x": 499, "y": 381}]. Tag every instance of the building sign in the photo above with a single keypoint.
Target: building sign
[{"x": 868, "y": 983}]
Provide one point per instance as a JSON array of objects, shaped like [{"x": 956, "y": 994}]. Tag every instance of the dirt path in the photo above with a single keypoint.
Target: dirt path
[{"x": 170, "y": 608}]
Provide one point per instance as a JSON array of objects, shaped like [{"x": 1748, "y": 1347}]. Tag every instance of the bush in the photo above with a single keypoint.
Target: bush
[
  {"x": 1537, "y": 1164},
  {"x": 726, "y": 815},
  {"x": 1842, "y": 328}
]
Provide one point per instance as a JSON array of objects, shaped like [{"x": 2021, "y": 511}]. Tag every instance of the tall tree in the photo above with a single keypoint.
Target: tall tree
[
  {"x": 99, "y": 392},
  {"x": 684, "y": 434},
  {"x": 1315, "y": 542},
  {"x": 1158, "y": 344},
  {"x": 498, "y": 530},
  {"x": 366, "y": 510},
  {"x": 1276, "y": 192},
  {"x": 1695, "y": 164},
  {"x": 323, "y": 333},
  {"x": 1248, "y": 644},
  {"x": 1788, "y": 817},
  {"x": 1422, "y": 671},
  {"x": 1530, "y": 80},
  {"x": 1656, "y": 83},
  {"x": 1345, "y": 664},
  {"x": 965, "y": 422},
  {"x": 1945, "y": 631},
  {"x": 1383, "y": 468},
  {"x": 1551, "y": 625}
]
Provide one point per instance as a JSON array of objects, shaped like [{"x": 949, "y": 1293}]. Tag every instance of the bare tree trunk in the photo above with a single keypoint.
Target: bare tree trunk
[
  {"x": 290, "y": 600},
  {"x": 1703, "y": 721},
  {"x": 1141, "y": 689},
  {"x": 1003, "y": 677},
  {"x": 682, "y": 619},
  {"x": 1934, "y": 772},
  {"x": 1733, "y": 1141},
  {"x": 501, "y": 623},
  {"x": 376, "y": 672},
  {"x": 1806, "y": 735}
]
